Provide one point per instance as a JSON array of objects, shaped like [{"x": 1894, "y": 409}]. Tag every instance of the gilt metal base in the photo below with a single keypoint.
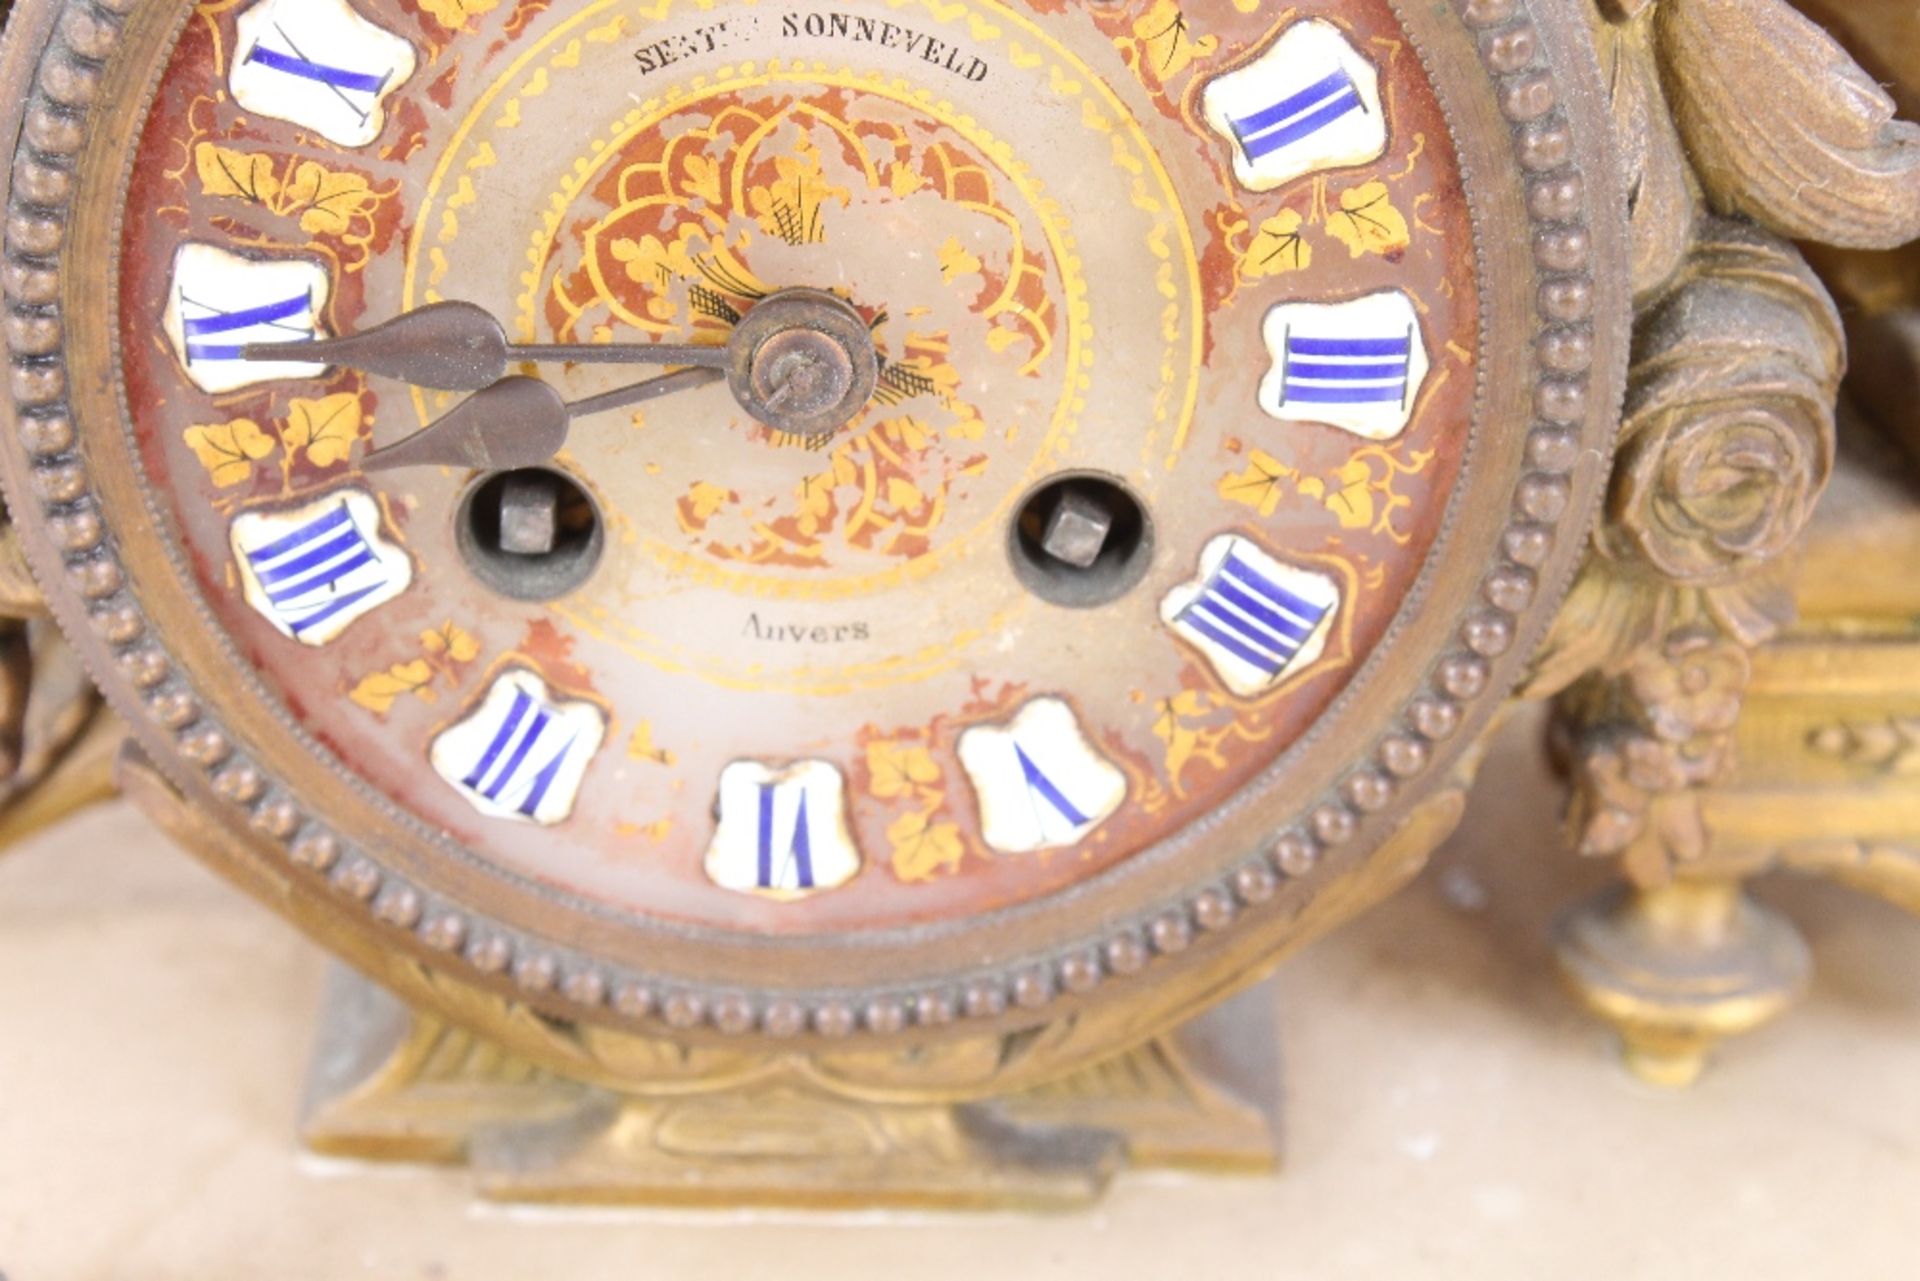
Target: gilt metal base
[{"x": 391, "y": 1085}]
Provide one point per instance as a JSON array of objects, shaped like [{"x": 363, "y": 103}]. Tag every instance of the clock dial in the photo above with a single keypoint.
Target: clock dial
[
  {"x": 668, "y": 496},
  {"x": 1204, "y": 297}
]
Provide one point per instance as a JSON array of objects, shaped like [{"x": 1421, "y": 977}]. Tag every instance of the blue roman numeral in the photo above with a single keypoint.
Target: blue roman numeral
[
  {"x": 289, "y": 320},
  {"x": 521, "y": 760},
  {"x": 1254, "y": 618},
  {"x": 1041, "y": 788},
  {"x": 343, "y": 82},
  {"x": 1298, "y": 116},
  {"x": 799, "y": 854},
  {"x": 1348, "y": 371},
  {"x": 335, "y": 76},
  {"x": 319, "y": 571}
]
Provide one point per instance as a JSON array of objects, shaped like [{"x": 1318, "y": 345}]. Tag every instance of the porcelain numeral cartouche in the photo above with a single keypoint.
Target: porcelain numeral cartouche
[
  {"x": 1357, "y": 365},
  {"x": 1310, "y": 103},
  {"x": 222, "y": 301},
  {"x": 320, "y": 65},
  {"x": 1040, "y": 784},
  {"x": 1258, "y": 621},
  {"x": 523, "y": 752},
  {"x": 782, "y": 832},
  {"x": 314, "y": 570}
]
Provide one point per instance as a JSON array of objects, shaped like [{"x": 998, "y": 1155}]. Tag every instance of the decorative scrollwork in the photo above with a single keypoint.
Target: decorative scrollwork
[
  {"x": 1727, "y": 445},
  {"x": 1742, "y": 123},
  {"x": 1729, "y": 433},
  {"x": 1784, "y": 127}
]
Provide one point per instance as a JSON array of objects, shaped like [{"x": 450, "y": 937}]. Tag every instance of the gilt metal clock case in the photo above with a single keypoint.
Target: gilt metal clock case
[{"x": 1244, "y": 382}]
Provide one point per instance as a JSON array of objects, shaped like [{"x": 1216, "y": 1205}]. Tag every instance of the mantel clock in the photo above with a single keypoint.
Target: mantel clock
[{"x": 884, "y": 551}]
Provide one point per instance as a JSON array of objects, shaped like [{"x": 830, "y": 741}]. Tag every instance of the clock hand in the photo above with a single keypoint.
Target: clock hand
[
  {"x": 456, "y": 346},
  {"x": 518, "y": 422},
  {"x": 642, "y": 392},
  {"x": 802, "y": 362}
]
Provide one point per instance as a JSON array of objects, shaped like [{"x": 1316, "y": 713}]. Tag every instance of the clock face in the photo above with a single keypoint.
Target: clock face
[{"x": 1176, "y": 341}]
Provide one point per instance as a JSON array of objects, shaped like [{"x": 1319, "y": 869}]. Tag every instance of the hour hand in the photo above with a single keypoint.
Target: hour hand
[
  {"x": 456, "y": 346},
  {"x": 518, "y": 422}
]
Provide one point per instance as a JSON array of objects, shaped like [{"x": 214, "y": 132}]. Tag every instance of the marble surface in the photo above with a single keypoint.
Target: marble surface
[{"x": 1447, "y": 1112}]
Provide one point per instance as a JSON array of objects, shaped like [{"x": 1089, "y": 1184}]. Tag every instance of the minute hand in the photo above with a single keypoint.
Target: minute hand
[{"x": 456, "y": 346}]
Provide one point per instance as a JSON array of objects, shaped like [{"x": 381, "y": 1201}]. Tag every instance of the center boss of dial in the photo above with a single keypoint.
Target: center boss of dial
[{"x": 803, "y": 363}]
